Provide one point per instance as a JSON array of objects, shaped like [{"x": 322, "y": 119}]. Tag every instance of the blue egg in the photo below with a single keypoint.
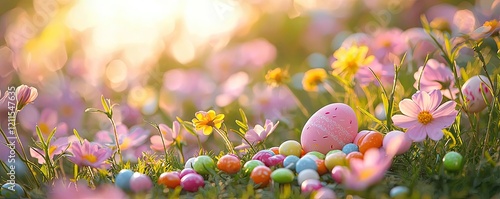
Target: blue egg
[
  {"x": 122, "y": 179},
  {"x": 12, "y": 190},
  {"x": 348, "y": 148},
  {"x": 306, "y": 163},
  {"x": 290, "y": 162},
  {"x": 399, "y": 192}
]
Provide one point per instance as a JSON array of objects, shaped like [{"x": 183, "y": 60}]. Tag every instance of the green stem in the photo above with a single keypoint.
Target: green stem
[
  {"x": 229, "y": 145},
  {"x": 118, "y": 150}
]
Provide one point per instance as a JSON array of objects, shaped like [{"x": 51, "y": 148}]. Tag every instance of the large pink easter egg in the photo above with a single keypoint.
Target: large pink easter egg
[{"x": 331, "y": 127}]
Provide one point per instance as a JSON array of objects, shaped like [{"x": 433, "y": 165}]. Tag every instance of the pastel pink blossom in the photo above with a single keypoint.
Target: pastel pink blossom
[
  {"x": 25, "y": 95},
  {"x": 56, "y": 147},
  {"x": 258, "y": 134},
  {"x": 424, "y": 116},
  {"x": 385, "y": 72},
  {"x": 90, "y": 154},
  {"x": 80, "y": 190},
  {"x": 362, "y": 174},
  {"x": 127, "y": 138},
  {"x": 169, "y": 136},
  {"x": 388, "y": 43},
  {"x": 436, "y": 76},
  {"x": 46, "y": 120}
]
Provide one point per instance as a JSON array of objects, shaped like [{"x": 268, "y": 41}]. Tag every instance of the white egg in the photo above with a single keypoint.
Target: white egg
[
  {"x": 307, "y": 174},
  {"x": 473, "y": 90}
]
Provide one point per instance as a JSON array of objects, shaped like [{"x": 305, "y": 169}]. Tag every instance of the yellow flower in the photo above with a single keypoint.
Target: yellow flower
[
  {"x": 313, "y": 78},
  {"x": 350, "y": 60},
  {"x": 277, "y": 76},
  {"x": 206, "y": 121}
]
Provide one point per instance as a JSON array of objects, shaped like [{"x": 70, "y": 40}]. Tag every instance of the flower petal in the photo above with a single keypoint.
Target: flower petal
[
  {"x": 434, "y": 133},
  {"x": 409, "y": 108},
  {"x": 446, "y": 109},
  {"x": 435, "y": 98},
  {"x": 404, "y": 121},
  {"x": 417, "y": 133},
  {"x": 207, "y": 130}
]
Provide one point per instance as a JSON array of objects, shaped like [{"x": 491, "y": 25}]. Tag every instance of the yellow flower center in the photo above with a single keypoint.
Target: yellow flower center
[
  {"x": 125, "y": 144},
  {"x": 67, "y": 110},
  {"x": 52, "y": 149},
  {"x": 207, "y": 121},
  {"x": 424, "y": 117},
  {"x": 492, "y": 24},
  {"x": 366, "y": 173},
  {"x": 440, "y": 24},
  {"x": 350, "y": 60},
  {"x": 44, "y": 128},
  {"x": 277, "y": 76},
  {"x": 312, "y": 78},
  {"x": 90, "y": 157}
]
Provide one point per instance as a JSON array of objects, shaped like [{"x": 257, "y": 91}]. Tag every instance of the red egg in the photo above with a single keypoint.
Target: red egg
[
  {"x": 229, "y": 164},
  {"x": 261, "y": 175},
  {"x": 371, "y": 140},
  {"x": 170, "y": 179}
]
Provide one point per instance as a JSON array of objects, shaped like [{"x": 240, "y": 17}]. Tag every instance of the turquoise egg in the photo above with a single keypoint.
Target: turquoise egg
[
  {"x": 399, "y": 192},
  {"x": 12, "y": 190},
  {"x": 306, "y": 163},
  {"x": 290, "y": 162},
  {"x": 348, "y": 148},
  {"x": 122, "y": 179}
]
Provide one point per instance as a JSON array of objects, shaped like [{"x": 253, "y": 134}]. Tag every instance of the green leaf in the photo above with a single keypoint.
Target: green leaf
[
  {"x": 187, "y": 125},
  {"x": 51, "y": 135},
  {"x": 40, "y": 136},
  {"x": 372, "y": 117},
  {"x": 244, "y": 126},
  {"x": 105, "y": 104},
  {"x": 77, "y": 135}
]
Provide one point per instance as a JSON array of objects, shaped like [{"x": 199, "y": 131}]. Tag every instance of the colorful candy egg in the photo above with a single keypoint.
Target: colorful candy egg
[
  {"x": 354, "y": 155},
  {"x": 250, "y": 165},
  {"x": 305, "y": 163},
  {"x": 403, "y": 141},
  {"x": 310, "y": 185},
  {"x": 189, "y": 163},
  {"x": 140, "y": 182},
  {"x": 307, "y": 174},
  {"x": 229, "y": 164},
  {"x": 317, "y": 154},
  {"x": 321, "y": 166},
  {"x": 399, "y": 192},
  {"x": 452, "y": 161},
  {"x": 170, "y": 179},
  {"x": 203, "y": 164},
  {"x": 122, "y": 179},
  {"x": 186, "y": 171},
  {"x": 275, "y": 160},
  {"x": 473, "y": 90},
  {"x": 331, "y": 127},
  {"x": 192, "y": 182},
  {"x": 290, "y": 147},
  {"x": 335, "y": 159},
  {"x": 261, "y": 175},
  {"x": 282, "y": 175},
  {"x": 348, "y": 148},
  {"x": 263, "y": 156},
  {"x": 290, "y": 162},
  {"x": 372, "y": 139}
]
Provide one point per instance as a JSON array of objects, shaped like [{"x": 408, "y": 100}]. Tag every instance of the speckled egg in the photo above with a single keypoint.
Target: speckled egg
[
  {"x": 261, "y": 175},
  {"x": 140, "y": 182},
  {"x": 229, "y": 163},
  {"x": 331, "y": 127},
  {"x": 122, "y": 179},
  {"x": 373, "y": 139},
  {"x": 472, "y": 91},
  {"x": 399, "y": 139},
  {"x": 192, "y": 182},
  {"x": 170, "y": 179},
  {"x": 282, "y": 175},
  {"x": 310, "y": 185},
  {"x": 307, "y": 174},
  {"x": 290, "y": 147}
]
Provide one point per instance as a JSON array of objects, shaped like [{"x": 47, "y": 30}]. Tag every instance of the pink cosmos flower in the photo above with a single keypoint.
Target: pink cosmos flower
[
  {"x": 46, "y": 120},
  {"x": 387, "y": 43},
  {"x": 130, "y": 140},
  {"x": 385, "y": 72},
  {"x": 25, "y": 95},
  {"x": 57, "y": 146},
  {"x": 90, "y": 154},
  {"x": 361, "y": 174},
  {"x": 436, "y": 76},
  {"x": 423, "y": 115},
  {"x": 271, "y": 102},
  {"x": 169, "y": 136},
  {"x": 258, "y": 134}
]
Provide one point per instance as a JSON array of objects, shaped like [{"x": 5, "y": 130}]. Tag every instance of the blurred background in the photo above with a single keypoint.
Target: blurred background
[{"x": 159, "y": 59}]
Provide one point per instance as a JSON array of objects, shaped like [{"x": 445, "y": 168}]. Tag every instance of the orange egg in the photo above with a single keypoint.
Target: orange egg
[
  {"x": 321, "y": 166},
  {"x": 371, "y": 140},
  {"x": 229, "y": 164},
  {"x": 170, "y": 179},
  {"x": 354, "y": 155},
  {"x": 302, "y": 152},
  {"x": 261, "y": 175},
  {"x": 275, "y": 149}
]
